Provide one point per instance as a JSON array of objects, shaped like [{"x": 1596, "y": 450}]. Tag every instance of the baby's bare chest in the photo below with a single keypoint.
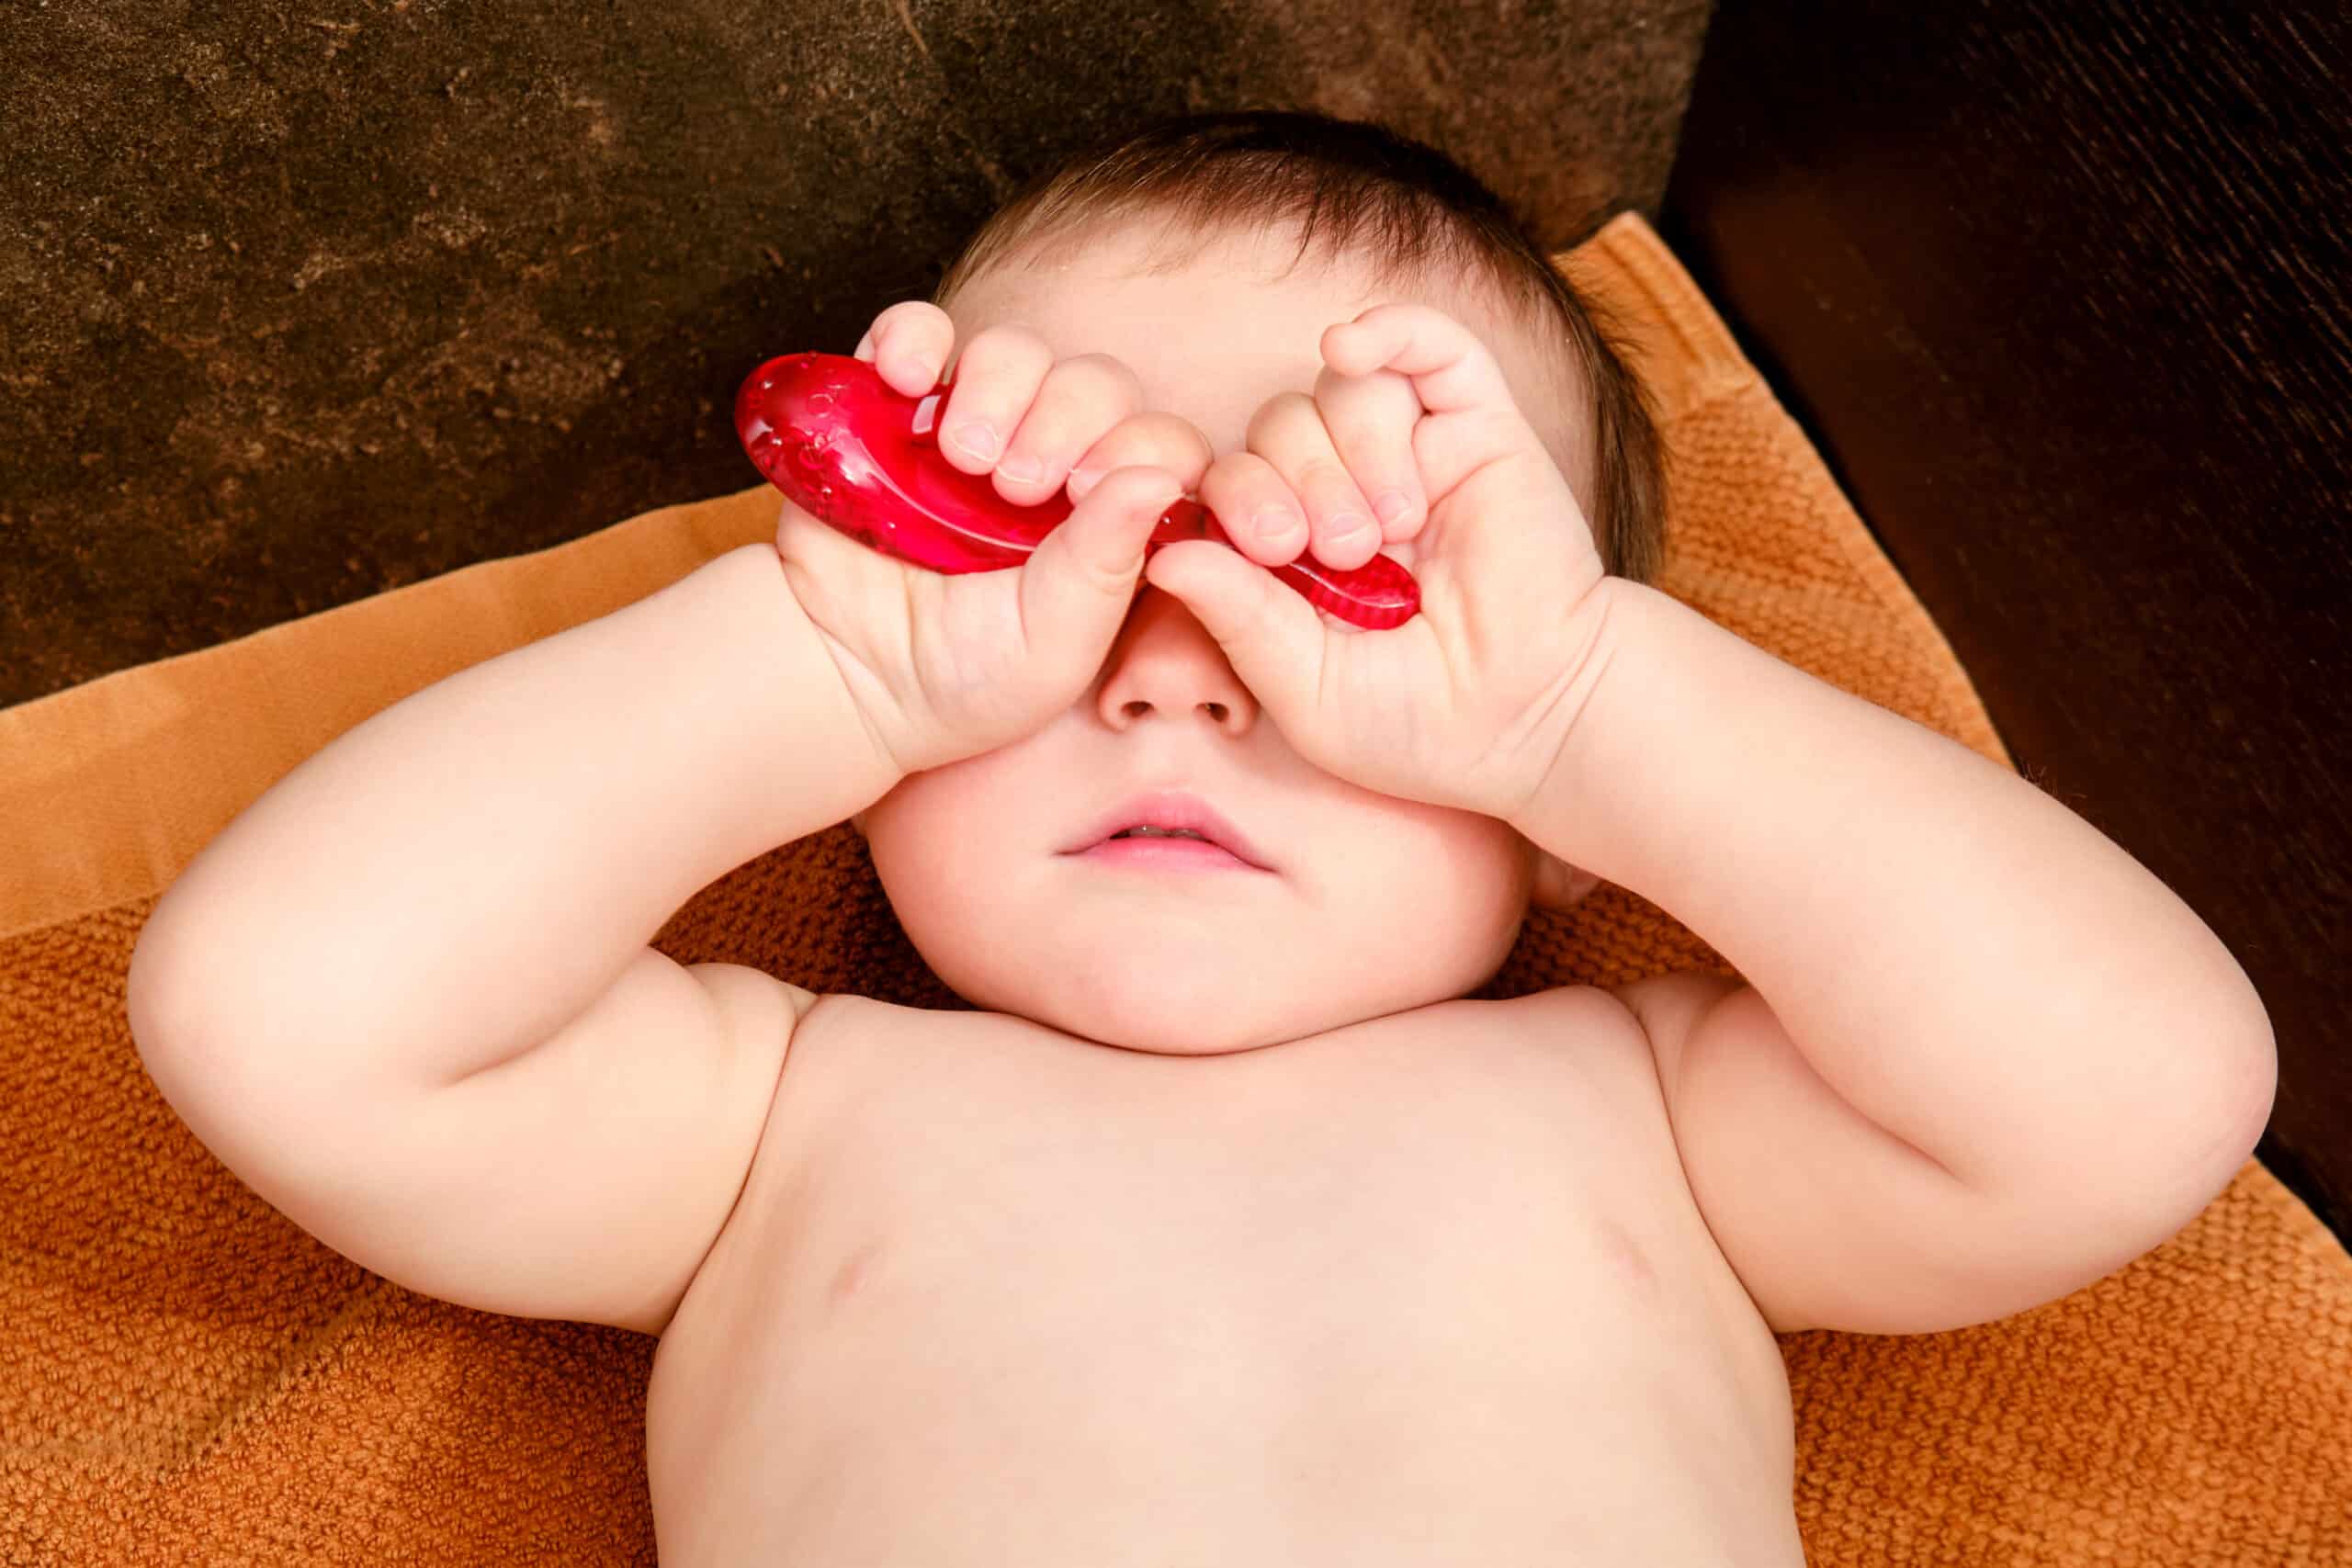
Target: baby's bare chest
[{"x": 1380, "y": 1252}]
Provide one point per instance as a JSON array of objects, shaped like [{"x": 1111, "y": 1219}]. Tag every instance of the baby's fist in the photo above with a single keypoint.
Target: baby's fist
[
  {"x": 945, "y": 666},
  {"x": 1464, "y": 705}
]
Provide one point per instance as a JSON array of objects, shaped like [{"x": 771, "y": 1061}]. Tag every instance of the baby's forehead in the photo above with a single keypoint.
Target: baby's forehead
[
  {"x": 1111, "y": 250},
  {"x": 1214, "y": 321}
]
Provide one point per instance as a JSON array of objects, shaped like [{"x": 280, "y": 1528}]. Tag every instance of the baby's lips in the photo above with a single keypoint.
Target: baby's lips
[{"x": 862, "y": 458}]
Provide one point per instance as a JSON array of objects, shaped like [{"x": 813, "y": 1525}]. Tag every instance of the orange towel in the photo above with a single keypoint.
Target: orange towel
[{"x": 186, "y": 1376}]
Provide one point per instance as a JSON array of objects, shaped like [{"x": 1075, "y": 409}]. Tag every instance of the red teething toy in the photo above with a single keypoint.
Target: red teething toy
[{"x": 864, "y": 458}]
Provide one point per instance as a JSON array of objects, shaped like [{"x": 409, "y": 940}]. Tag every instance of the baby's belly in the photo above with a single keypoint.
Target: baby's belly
[{"x": 1430, "y": 1289}]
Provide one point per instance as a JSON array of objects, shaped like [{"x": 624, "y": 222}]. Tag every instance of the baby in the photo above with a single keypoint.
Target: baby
[{"x": 1227, "y": 1230}]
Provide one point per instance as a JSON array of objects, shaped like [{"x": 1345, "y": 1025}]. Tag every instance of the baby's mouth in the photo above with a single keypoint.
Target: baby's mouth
[
  {"x": 1171, "y": 851},
  {"x": 1171, "y": 826}
]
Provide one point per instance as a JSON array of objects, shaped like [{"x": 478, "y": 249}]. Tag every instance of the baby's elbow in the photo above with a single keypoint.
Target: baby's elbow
[
  {"x": 159, "y": 995},
  {"x": 2209, "y": 1061},
  {"x": 2243, "y": 1049},
  {"x": 2225, "y": 1114},
  {"x": 2254, "y": 1085}
]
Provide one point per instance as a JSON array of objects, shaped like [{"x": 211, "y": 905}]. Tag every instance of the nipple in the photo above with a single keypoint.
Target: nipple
[{"x": 863, "y": 459}]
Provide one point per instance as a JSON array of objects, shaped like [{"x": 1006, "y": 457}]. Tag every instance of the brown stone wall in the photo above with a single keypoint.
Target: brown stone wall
[{"x": 298, "y": 303}]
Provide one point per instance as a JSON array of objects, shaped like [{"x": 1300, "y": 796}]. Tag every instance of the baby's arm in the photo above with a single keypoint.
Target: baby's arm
[
  {"x": 1982, "y": 1056},
  {"x": 407, "y": 996}
]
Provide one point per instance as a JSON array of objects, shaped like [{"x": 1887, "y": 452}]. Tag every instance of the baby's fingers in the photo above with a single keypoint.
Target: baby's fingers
[
  {"x": 1082, "y": 399},
  {"x": 1156, "y": 439},
  {"x": 1452, "y": 371},
  {"x": 1473, "y": 419},
  {"x": 1371, "y": 420},
  {"x": 998, "y": 375},
  {"x": 909, "y": 344},
  {"x": 1259, "y": 511}
]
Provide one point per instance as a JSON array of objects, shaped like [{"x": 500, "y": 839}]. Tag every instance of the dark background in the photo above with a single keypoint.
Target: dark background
[
  {"x": 300, "y": 305},
  {"x": 2059, "y": 291}
]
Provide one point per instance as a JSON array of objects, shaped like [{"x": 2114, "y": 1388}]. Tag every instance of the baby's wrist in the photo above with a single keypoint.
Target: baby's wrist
[
  {"x": 819, "y": 761},
  {"x": 1619, "y": 618}
]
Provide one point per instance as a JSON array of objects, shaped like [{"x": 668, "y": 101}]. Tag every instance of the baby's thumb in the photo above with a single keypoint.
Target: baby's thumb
[
  {"x": 1079, "y": 581},
  {"x": 1270, "y": 634}
]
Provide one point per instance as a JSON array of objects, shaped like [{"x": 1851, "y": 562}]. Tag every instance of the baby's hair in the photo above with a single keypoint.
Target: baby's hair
[{"x": 1357, "y": 188}]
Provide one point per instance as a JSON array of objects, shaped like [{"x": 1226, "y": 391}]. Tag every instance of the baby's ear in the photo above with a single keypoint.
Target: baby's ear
[{"x": 1558, "y": 884}]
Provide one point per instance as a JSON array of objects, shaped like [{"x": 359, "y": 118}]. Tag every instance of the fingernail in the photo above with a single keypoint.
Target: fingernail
[
  {"x": 1084, "y": 479},
  {"x": 1024, "y": 470},
  {"x": 975, "y": 436},
  {"x": 1273, "y": 522},
  {"x": 1347, "y": 527},
  {"x": 1392, "y": 505}
]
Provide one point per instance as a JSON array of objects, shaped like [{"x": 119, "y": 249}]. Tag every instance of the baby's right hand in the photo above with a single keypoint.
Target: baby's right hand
[{"x": 947, "y": 666}]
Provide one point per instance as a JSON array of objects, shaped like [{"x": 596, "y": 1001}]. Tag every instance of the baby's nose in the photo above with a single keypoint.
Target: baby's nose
[{"x": 1164, "y": 663}]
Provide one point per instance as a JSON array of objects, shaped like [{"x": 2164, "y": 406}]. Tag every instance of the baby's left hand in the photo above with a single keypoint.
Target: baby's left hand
[{"x": 1465, "y": 705}]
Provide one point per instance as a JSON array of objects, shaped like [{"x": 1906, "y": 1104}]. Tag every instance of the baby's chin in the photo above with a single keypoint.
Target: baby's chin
[{"x": 1165, "y": 1012}]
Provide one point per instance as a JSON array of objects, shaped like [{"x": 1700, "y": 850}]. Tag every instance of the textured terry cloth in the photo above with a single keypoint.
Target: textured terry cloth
[{"x": 188, "y": 1377}]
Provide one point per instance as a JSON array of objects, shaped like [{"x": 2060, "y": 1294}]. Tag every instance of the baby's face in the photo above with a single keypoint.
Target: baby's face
[{"x": 1374, "y": 904}]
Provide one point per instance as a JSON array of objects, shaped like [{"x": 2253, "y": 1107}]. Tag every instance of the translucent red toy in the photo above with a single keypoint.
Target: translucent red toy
[{"x": 863, "y": 457}]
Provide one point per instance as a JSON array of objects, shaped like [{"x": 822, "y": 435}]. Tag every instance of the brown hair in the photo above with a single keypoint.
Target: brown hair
[{"x": 1412, "y": 210}]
